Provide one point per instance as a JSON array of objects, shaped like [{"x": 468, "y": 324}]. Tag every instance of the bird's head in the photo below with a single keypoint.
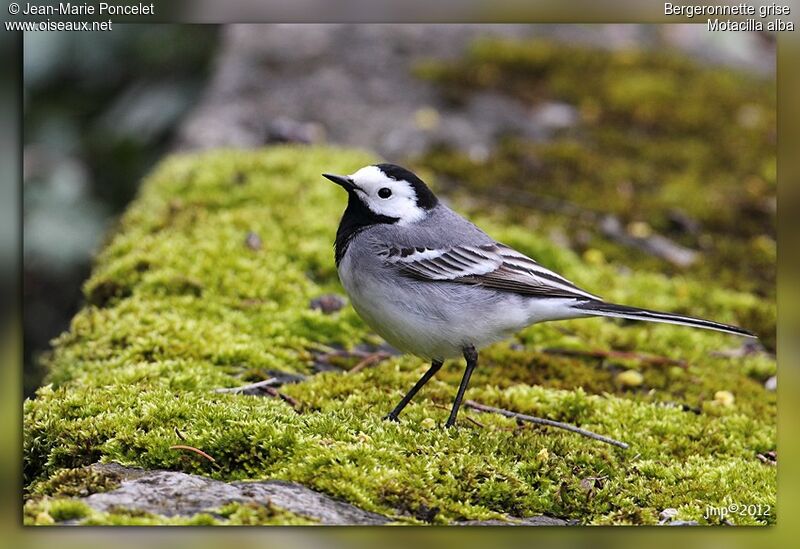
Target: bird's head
[{"x": 391, "y": 193}]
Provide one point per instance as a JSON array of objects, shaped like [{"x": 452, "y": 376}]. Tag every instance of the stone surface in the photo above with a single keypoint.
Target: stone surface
[{"x": 173, "y": 493}]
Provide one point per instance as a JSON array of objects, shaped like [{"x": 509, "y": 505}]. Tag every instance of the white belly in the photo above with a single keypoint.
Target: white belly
[{"x": 437, "y": 320}]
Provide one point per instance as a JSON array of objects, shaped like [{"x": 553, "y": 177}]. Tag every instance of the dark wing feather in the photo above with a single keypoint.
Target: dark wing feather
[{"x": 493, "y": 266}]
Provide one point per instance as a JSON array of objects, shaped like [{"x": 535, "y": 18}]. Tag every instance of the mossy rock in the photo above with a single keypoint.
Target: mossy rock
[
  {"x": 182, "y": 302},
  {"x": 47, "y": 511}
]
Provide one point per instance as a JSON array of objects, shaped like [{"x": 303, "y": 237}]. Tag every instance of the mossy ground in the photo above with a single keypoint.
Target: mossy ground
[{"x": 179, "y": 304}]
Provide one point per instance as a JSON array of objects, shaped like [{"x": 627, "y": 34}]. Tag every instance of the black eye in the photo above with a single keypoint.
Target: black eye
[{"x": 385, "y": 192}]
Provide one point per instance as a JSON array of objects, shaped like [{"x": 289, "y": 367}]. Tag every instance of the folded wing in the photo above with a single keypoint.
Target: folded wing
[{"x": 492, "y": 266}]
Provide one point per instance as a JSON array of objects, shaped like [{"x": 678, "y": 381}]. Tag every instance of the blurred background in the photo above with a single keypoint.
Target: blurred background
[
  {"x": 100, "y": 108},
  {"x": 648, "y": 146}
]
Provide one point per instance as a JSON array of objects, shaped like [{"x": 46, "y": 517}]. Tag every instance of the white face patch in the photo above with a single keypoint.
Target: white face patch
[{"x": 386, "y": 196}]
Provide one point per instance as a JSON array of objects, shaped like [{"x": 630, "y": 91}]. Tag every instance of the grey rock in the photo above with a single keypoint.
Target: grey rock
[
  {"x": 541, "y": 520},
  {"x": 172, "y": 493}
]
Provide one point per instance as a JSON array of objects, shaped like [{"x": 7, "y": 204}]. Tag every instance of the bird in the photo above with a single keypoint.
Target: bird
[{"x": 434, "y": 285}]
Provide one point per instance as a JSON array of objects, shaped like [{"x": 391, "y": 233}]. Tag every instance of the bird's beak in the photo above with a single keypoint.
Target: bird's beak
[{"x": 341, "y": 180}]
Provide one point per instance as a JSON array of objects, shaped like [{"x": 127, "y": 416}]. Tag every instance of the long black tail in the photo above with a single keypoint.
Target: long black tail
[{"x": 601, "y": 308}]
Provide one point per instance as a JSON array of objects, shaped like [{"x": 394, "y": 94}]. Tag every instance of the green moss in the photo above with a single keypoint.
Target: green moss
[
  {"x": 136, "y": 372},
  {"x": 46, "y": 511},
  {"x": 252, "y": 514},
  {"x": 80, "y": 482}
]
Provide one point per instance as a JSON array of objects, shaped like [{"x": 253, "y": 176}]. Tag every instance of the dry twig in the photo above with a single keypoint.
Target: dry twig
[
  {"x": 284, "y": 397},
  {"x": 266, "y": 386},
  {"x": 252, "y": 388},
  {"x": 468, "y": 418},
  {"x": 541, "y": 421},
  {"x": 192, "y": 449},
  {"x": 369, "y": 360}
]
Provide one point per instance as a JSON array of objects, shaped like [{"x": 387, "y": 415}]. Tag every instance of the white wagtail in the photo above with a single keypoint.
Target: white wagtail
[{"x": 434, "y": 285}]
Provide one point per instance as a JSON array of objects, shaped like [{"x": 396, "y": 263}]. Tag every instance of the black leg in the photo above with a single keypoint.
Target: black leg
[
  {"x": 426, "y": 377},
  {"x": 471, "y": 356}
]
